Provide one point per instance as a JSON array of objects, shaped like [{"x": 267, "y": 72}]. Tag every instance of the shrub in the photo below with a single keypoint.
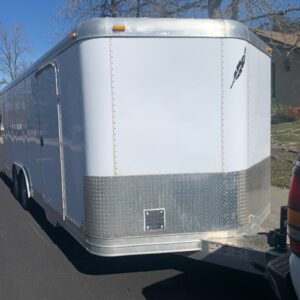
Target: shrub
[
  {"x": 281, "y": 113},
  {"x": 295, "y": 112}
]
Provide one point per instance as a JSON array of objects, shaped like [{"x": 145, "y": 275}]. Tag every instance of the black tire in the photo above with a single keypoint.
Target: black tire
[
  {"x": 23, "y": 196},
  {"x": 15, "y": 184}
]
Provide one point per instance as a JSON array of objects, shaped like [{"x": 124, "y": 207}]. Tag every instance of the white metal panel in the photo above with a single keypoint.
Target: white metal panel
[
  {"x": 20, "y": 123},
  {"x": 246, "y": 119},
  {"x": 72, "y": 117},
  {"x": 259, "y": 106},
  {"x": 5, "y": 130},
  {"x": 235, "y": 139},
  {"x": 33, "y": 136},
  {"x": 167, "y": 100},
  {"x": 9, "y": 148},
  {"x": 50, "y": 154},
  {"x": 3, "y": 113},
  {"x": 96, "y": 92}
]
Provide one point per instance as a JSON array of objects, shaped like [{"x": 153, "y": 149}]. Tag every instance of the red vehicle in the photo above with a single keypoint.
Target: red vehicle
[
  {"x": 294, "y": 227},
  {"x": 284, "y": 271}
]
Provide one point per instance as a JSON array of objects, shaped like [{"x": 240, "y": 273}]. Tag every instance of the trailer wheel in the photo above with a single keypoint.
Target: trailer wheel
[
  {"x": 15, "y": 184},
  {"x": 23, "y": 197}
]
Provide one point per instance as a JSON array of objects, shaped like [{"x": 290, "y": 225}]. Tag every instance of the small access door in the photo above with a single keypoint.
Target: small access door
[{"x": 51, "y": 147}]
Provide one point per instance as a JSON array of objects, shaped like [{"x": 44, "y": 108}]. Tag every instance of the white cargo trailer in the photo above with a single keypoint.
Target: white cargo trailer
[{"x": 144, "y": 135}]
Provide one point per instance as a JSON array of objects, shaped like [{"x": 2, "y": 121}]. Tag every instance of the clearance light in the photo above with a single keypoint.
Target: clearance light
[
  {"x": 294, "y": 195},
  {"x": 118, "y": 28},
  {"x": 269, "y": 50},
  {"x": 294, "y": 217},
  {"x": 72, "y": 35}
]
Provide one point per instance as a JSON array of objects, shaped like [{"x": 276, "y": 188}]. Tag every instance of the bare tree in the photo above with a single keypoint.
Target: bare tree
[
  {"x": 13, "y": 49},
  {"x": 2, "y": 82},
  {"x": 214, "y": 9},
  {"x": 78, "y": 9},
  {"x": 255, "y": 13}
]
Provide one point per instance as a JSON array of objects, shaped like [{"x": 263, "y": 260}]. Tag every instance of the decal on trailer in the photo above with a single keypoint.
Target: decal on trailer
[{"x": 239, "y": 68}]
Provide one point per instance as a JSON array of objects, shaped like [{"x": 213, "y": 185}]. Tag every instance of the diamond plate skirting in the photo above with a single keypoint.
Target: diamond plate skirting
[{"x": 115, "y": 206}]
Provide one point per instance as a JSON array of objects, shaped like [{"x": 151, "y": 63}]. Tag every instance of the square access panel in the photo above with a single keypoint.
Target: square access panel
[{"x": 154, "y": 219}]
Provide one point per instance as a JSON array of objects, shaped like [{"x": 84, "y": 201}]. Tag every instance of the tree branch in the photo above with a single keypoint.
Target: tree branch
[
  {"x": 214, "y": 9},
  {"x": 188, "y": 6},
  {"x": 12, "y": 50},
  {"x": 233, "y": 10},
  {"x": 270, "y": 14}
]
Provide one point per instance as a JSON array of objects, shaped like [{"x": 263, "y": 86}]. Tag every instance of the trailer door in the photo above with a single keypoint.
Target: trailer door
[{"x": 51, "y": 154}]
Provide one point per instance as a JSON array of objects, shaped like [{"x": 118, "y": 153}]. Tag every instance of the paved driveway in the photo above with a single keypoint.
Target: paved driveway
[{"x": 38, "y": 261}]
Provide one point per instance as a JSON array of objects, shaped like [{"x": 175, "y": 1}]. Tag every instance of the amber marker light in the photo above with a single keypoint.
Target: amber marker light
[
  {"x": 118, "y": 28},
  {"x": 270, "y": 50},
  {"x": 294, "y": 217},
  {"x": 72, "y": 35}
]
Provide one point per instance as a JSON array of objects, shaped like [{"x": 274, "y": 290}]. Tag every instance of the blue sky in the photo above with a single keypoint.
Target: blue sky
[{"x": 37, "y": 17}]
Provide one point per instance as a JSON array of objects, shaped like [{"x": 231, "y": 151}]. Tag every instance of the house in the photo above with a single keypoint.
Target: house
[{"x": 285, "y": 65}]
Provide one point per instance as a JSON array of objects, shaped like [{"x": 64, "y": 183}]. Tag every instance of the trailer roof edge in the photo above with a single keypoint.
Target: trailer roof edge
[
  {"x": 147, "y": 27},
  {"x": 168, "y": 27}
]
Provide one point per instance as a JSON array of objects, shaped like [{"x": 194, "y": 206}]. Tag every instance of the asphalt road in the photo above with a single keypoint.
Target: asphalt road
[{"x": 38, "y": 261}]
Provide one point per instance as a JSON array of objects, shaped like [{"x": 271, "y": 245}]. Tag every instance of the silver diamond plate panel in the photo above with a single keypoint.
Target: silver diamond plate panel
[{"x": 115, "y": 206}]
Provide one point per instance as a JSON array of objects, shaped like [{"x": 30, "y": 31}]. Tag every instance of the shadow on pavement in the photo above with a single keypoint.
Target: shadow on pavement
[
  {"x": 91, "y": 264},
  {"x": 197, "y": 280},
  {"x": 210, "y": 282}
]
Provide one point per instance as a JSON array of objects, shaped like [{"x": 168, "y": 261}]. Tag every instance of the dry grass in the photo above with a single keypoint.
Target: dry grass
[{"x": 285, "y": 147}]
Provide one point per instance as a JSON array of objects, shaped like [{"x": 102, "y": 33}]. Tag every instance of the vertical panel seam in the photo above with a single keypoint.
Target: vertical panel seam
[
  {"x": 113, "y": 108},
  {"x": 61, "y": 142},
  {"x": 222, "y": 106},
  {"x": 248, "y": 105}
]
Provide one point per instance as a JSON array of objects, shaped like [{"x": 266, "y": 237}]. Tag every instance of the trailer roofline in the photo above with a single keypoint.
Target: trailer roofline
[
  {"x": 146, "y": 27},
  {"x": 168, "y": 27},
  {"x": 45, "y": 59}
]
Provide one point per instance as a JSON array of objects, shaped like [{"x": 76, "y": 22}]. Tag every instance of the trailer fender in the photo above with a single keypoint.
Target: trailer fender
[{"x": 20, "y": 168}]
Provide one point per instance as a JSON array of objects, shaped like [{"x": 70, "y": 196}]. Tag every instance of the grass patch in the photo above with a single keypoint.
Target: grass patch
[{"x": 285, "y": 148}]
